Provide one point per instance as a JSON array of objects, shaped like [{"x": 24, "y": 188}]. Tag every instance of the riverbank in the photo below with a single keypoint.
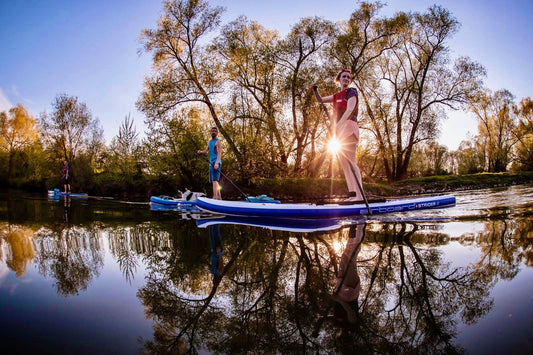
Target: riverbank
[
  {"x": 450, "y": 183},
  {"x": 312, "y": 189},
  {"x": 306, "y": 189}
]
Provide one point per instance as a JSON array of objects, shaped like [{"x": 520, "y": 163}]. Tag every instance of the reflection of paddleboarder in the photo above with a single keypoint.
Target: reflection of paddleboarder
[
  {"x": 348, "y": 284},
  {"x": 66, "y": 206},
  {"x": 347, "y": 289},
  {"x": 217, "y": 252}
]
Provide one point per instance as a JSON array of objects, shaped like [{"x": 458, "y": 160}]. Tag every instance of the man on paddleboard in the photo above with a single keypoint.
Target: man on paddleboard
[{"x": 214, "y": 148}]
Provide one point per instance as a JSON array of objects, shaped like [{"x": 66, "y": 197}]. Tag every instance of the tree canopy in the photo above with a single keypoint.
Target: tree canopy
[{"x": 253, "y": 82}]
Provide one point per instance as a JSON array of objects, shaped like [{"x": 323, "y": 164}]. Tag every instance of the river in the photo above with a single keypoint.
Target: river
[{"x": 95, "y": 275}]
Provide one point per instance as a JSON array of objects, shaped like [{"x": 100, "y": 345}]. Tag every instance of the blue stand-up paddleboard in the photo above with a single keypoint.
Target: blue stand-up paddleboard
[
  {"x": 57, "y": 193},
  {"x": 314, "y": 211}
]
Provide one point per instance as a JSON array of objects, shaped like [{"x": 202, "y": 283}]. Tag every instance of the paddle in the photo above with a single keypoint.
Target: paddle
[
  {"x": 246, "y": 197},
  {"x": 227, "y": 178},
  {"x": 319, "y": 98}
]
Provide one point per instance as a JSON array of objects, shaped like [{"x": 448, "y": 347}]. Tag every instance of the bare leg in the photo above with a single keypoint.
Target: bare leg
[
  {"x": 216, "y": 191},
  {"x": 351, "y": 178}
]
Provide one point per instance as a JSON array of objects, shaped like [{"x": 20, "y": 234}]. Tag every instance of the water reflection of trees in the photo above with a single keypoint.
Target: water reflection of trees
[
  {"x": 17, "y": 247},
  {"x": 277, "y": 286},
  {"x": 72, "y": 257}
]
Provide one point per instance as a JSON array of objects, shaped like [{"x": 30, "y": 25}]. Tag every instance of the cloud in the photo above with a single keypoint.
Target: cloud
[{"x": 4, "y": 101}]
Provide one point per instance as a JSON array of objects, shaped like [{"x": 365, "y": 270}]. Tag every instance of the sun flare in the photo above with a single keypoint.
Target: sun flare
[{"x": 334, "y": 145}]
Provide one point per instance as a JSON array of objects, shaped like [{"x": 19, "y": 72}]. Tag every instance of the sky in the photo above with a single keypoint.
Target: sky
[{"x": 91, "y": 49}]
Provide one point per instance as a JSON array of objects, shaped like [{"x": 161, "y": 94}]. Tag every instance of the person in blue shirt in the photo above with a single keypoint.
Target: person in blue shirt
[{"x": 214, "y": 148}]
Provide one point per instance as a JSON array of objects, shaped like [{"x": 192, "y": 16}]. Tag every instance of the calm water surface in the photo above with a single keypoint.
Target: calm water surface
[{"x": 99, "y": 276}]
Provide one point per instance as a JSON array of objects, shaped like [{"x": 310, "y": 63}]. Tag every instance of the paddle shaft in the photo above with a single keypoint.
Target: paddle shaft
[
  {"x": 319, "y": 98},
  {"x": 227, "y": 178}
]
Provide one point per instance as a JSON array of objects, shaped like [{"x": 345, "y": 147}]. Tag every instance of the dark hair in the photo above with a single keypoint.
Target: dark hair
[
  {"x": 338, "y": 78},
  {"x": 214, "y": 127}
]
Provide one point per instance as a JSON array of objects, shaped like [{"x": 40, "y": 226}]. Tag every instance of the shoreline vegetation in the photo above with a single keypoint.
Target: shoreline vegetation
[{"x": 312, "y": 189}]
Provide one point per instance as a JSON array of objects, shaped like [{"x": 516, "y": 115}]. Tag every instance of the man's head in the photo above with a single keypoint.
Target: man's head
[{"x": 214, "y": 132}]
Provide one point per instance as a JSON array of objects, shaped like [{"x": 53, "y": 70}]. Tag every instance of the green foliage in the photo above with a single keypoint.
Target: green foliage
[
  {"x": 18, "y": 135},
  {"x": 124, "y": 156},
  {"x": 470, "y": 158}
]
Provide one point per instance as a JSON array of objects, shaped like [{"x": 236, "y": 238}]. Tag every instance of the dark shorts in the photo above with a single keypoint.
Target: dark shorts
[
  {"x": 214, "y": 175},
  {"x": 66, "y": 180}
]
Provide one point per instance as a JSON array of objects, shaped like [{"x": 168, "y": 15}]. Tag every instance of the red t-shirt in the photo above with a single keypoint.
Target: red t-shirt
[{"x": 340, "y": 103}]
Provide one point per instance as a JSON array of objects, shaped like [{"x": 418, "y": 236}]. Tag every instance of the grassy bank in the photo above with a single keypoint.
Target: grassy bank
[
  {"x": 301, "y": 189},
  {"x": 305, "y": 189},
  {"x": 450, "y": 183}
]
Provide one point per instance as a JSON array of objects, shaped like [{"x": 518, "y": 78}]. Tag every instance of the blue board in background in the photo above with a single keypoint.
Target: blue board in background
[
  {"x": 171, "y": 201},
  {"x": 57, "y": 193}
]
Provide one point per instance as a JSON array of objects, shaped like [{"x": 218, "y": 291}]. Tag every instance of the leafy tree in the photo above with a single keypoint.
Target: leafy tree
[
  {"x": 253, "y": 84},
  {"x": 172, "y": 143},
  {"x": 18, "y": 132},
  {"x": 497, "y": 122},
  {"x": 71, "y": 133},
  {"x": 411, "y": 83},
  {"x": 470, "y": 158},
  {"x": 184, "y": 71},
  {"x": 364, "y": 38},
  {"x": 297, "y": 58},
  {"x": 524, "y": 135},
  {"x": 245, "y": 50},
  {"x": 125, "y": 149},
  {"x": 269, "y": 78},
  {"x": 429, "y": 158}
]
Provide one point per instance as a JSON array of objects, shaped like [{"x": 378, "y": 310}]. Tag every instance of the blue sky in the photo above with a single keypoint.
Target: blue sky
[{"x": 89, "y": 49}]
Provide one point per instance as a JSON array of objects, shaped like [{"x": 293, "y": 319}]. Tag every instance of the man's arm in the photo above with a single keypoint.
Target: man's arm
[{"x": 203, "y": 151}]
